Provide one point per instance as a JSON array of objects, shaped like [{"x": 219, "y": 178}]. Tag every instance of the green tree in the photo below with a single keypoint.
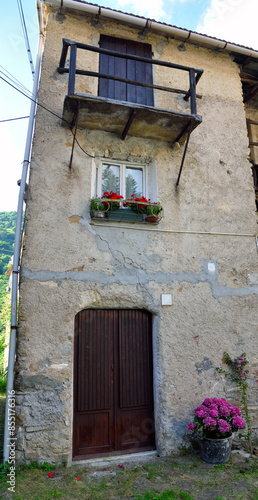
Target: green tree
[
  {"x": 110, "y": 181},
  {"x": 7, "y": 234},
  {"x": 131, "y": 187}
]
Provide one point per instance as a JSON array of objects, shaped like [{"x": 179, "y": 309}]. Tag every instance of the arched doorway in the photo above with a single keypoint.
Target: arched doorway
[{"x": 113, "y": 382}]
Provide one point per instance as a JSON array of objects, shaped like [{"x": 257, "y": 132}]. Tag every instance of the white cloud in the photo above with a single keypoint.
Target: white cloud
[
  {"x": 146, "y": 8},
  {"x": 231, "y": 20},
  {"x": 160, "y": 10}
]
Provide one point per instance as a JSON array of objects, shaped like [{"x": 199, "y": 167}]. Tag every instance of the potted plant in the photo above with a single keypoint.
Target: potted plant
[
  {"x": 97, "y": 208},
  {"x": 153, "y": 211},
  {"x": 214, "y": 422},
  {"x": 139, "y": 205},
  {"x": 144, "y": 206}
]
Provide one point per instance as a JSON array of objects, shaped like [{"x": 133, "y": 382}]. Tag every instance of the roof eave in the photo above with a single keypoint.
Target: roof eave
[{"x": 139, "y": 21}]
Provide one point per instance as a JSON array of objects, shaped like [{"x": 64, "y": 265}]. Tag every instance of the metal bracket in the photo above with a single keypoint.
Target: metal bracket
[
  {"x": 129, "y": 123},
  {"x": 183, "y": 159},
  {"x": 74, "y": 133}
]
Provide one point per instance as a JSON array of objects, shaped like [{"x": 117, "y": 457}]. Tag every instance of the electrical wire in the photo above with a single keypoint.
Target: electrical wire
[
  {"x": 14, "y": 80},
  {"x": 26, "y": 38},
  {"x": 13, "y": 119},
  {"x": 49, "y": 111}
]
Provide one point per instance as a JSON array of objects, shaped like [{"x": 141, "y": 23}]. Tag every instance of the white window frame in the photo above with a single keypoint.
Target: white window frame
[{"x": 122, "y": 165}]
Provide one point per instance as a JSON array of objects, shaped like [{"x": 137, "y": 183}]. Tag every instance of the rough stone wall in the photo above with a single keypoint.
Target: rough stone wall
[{"x": 203, "y": 251}]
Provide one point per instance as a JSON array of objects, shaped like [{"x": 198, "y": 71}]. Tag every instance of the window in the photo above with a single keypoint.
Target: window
[
  {"x": 125, "y": 179},
  {"x": 122, "y": 178},
  {"x": 125, "y": 68}
]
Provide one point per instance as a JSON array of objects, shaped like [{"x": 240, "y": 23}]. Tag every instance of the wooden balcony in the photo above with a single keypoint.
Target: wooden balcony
[{"x": 124, "y": 117}]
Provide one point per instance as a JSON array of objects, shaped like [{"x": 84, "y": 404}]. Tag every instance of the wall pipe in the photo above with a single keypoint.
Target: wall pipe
[
  {"x": 8, "y": 432},
  {"x": 172, "y": 231},
  {"x": 166, "y": 29}
]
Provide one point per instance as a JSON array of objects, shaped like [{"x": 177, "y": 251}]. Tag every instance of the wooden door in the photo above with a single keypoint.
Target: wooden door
[
  {"x": 125, "y": 68},
  {"x": 113, "y": 382}
]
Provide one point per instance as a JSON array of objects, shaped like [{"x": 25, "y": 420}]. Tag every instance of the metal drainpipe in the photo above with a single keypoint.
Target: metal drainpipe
[{"x": 16, "y": 258}]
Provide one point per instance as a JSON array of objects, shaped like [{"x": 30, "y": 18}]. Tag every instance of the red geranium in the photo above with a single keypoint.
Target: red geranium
[
  {"x": 141, "y": 206},
  {"x": 112, "y": 196}
]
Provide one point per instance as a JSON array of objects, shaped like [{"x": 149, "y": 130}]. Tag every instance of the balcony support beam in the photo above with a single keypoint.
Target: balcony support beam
[
  {"x": 129, "y": 123},
  {"x": 185, "y": 149},
  {"x": 74, "y": 133}
]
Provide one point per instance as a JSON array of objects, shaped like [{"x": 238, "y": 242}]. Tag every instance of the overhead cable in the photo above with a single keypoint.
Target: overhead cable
[
  {"x": 14, "y": 80},
  {"x": 51, "y": 112},
  {"x": 13, "y": 119},
  {"x": 26, "y": 38}
]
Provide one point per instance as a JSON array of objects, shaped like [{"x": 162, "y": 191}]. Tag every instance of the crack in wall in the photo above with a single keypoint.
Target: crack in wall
[
  {"x": 128, "y": 276},
  {"x": 118, "y": 257}
]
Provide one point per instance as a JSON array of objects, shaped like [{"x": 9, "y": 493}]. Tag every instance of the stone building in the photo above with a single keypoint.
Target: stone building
[{"x": 122, "y": 321}]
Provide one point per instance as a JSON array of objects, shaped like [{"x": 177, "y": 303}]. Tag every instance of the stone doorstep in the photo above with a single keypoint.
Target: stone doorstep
[
  {"x": 241, "y": 457},
  {"x": 118, "y": 459},
  {"x": 241, "y": 453}
]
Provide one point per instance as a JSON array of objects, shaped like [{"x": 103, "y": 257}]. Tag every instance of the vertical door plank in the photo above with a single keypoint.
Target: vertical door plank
[
  {"x": 135, "y": 406},
  {"x": 93, "y": 401}
]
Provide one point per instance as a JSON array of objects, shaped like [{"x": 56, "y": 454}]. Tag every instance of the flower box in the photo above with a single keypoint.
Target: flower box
[
  {"x": 124, "y": 215},
  {"x": 111, "y": 207}
]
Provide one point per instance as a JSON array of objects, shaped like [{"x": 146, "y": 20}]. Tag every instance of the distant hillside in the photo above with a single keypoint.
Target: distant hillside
[{"x": 7, "y": 233}]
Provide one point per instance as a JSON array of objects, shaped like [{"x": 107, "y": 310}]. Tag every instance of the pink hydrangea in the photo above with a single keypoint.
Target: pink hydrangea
[
  {"x": 225, "y": 403},
  {"x": 238, "y": 422},
  {"x": 200, "y": 414},
  {"x": 223, "y": 426},
  {"x": 207, "y": 401},
  {"x": 191, "y": 427},
  {"x": 235, "y": 411},
  {"x": 224, "y": 411},
  {"x": 214, "y": 412},
  {"x": 201, "y": 411},
  {"x": 216, "y": 418},
  {"x": 216, "y": 401},
  {"x": 210, "y": 422}
]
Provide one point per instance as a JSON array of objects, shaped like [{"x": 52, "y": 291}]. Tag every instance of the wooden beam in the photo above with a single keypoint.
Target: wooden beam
[
  {"x": 72, "y": 70},
  {"x": 251, "y": 95},
  {"x": 131, "y": 82},
  {"x": 114, "y": 53}
]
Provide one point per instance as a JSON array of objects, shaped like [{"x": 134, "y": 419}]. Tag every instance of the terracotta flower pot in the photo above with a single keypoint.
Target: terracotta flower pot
[{"x": 152, "y": 218}]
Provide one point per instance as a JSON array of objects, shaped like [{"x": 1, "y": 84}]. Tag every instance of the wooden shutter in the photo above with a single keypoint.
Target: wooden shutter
[{"x": 125, "y": 68}]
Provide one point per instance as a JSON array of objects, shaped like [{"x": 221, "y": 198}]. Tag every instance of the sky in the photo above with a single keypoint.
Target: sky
[{"x": 231, "y": 20}]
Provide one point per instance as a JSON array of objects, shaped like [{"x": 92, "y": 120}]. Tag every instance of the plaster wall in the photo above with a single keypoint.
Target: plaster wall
[{"x": 203, "y": 251}]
